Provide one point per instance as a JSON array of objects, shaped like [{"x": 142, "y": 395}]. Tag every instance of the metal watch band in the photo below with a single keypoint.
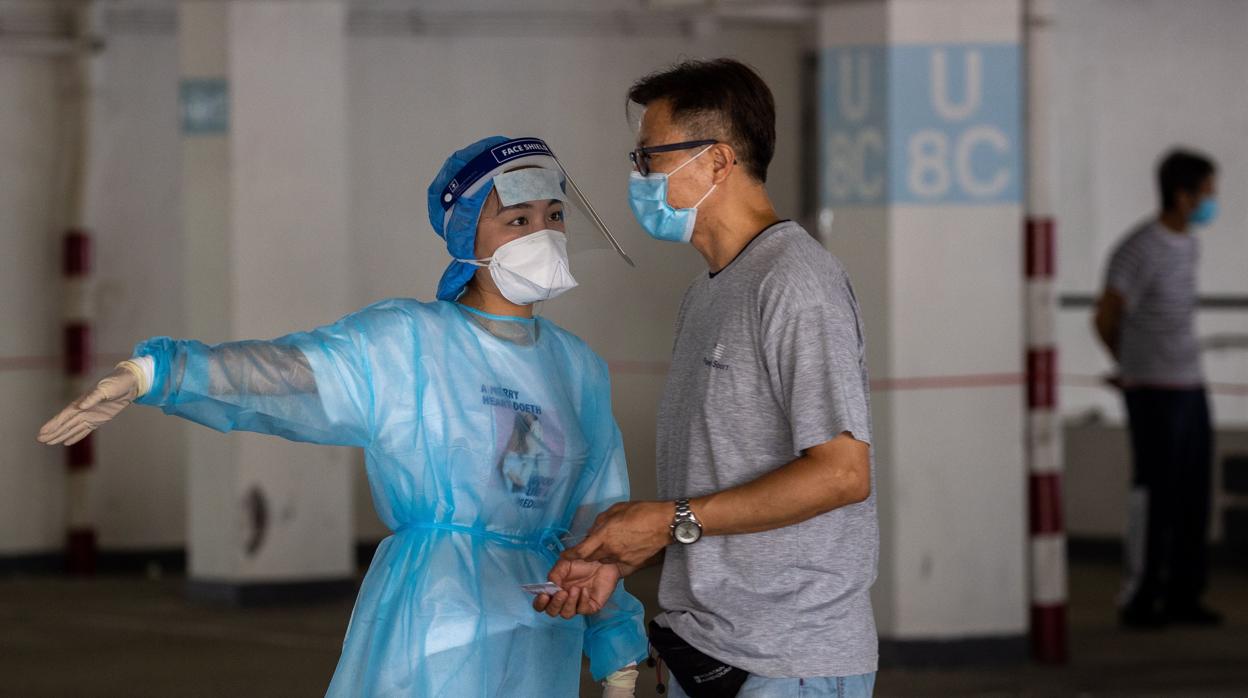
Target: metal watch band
[
  {"x": 682, "y": 509},
  {"x": 684, "y": 515}
]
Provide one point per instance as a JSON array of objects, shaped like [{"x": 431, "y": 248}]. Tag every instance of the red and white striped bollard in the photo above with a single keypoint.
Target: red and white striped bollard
[{"x": 80, "y": 542}]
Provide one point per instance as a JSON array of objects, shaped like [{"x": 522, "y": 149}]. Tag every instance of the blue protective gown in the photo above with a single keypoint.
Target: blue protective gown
[{"x": 482, "y": 454}]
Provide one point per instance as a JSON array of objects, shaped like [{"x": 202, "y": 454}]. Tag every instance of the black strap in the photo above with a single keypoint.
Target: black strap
[{"x": 699, "y": 674}]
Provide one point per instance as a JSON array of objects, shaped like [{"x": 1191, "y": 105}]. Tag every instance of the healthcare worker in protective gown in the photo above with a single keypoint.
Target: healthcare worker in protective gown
[{"x": 489, "y": 438}]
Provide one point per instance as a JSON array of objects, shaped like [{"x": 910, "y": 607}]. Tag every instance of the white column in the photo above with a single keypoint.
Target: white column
[
  {"x": 32, "y": 196},
  {"x": 265, "y": 208},
  {"x": 921, "y": 189}
]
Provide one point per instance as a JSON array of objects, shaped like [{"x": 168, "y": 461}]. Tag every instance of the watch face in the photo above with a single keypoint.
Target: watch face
[{"x": 687, "y": 532}]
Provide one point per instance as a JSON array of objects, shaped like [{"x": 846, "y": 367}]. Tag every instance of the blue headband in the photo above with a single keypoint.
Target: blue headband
[{"x": 487, "y": 162}]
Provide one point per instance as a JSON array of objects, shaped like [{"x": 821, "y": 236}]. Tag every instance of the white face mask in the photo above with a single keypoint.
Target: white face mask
[{"x": 530, "y": 269}]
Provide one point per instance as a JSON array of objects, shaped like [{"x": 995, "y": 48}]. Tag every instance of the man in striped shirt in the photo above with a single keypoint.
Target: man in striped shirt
[{"x": 1146, "y": 319}]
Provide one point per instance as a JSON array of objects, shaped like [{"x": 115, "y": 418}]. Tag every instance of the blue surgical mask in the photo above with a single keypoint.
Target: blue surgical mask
[
  {"x": 647, "y": 196},
  {"x": 1206, "y": 211}
]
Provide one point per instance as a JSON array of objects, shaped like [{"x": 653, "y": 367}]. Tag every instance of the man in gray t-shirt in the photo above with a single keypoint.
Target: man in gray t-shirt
[
  {"x": 769, "y": 363},
  {"x": 1153, "y": 272},
  {"x": 767, "y": 531},
  {"x": 1146, "y": 318}
]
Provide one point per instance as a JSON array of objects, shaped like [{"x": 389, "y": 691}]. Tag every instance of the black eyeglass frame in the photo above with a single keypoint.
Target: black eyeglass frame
[{"x": 640, "y": 157}]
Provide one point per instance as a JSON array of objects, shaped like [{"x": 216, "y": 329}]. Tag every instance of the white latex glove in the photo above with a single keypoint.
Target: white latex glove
[
  {"x": 621, "y": 684},
  {"x": 100, "y": 404}
]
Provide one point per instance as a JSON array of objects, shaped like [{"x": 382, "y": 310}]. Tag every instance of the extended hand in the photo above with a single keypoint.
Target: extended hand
[
  {"x": 628, "y": 534},
  {"x": 586, "y": 586},
  {"x": 100, "y": 404}
]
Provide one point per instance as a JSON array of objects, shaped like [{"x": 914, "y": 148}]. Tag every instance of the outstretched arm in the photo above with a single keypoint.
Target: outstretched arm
[{"x": 310, "y": 386}]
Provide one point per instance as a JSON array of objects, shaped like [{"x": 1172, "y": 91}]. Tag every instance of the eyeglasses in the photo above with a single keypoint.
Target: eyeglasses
[{"x": 641, "y": 156}]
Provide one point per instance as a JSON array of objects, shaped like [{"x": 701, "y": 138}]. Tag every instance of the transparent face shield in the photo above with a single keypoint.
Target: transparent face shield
[
  {"x": 585, "y": 230},
  {"x": 587, "y": 233},
  {"x": 586, "y": 222}
]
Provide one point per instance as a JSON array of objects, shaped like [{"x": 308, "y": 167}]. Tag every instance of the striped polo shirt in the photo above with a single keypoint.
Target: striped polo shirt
[{"x": 1154, "y": 269}]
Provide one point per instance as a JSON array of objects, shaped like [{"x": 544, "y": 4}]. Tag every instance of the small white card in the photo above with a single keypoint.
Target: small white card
[{"x": 542, "y": 588}]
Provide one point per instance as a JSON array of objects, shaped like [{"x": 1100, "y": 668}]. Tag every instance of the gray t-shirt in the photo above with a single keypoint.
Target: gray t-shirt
[
  {"x": 1154, "y": 270},
  {"x": 769, "y": 361}
]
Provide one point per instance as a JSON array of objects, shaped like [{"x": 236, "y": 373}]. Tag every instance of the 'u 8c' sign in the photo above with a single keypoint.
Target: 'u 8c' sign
[{"x": 927, "y": 125}]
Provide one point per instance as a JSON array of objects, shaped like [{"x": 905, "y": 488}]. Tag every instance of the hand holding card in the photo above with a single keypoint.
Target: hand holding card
[{"x": 542, "y": 588}]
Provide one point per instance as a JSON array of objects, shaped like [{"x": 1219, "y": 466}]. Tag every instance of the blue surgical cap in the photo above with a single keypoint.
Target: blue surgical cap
[{"x": 459, "y": 228}]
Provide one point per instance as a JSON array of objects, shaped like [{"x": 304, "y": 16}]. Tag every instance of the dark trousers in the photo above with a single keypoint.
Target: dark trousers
[{"x": 1167, "y": 534}]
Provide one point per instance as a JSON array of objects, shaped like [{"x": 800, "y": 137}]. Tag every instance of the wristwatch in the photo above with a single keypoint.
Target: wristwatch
[{"x": 686, "y": 528}]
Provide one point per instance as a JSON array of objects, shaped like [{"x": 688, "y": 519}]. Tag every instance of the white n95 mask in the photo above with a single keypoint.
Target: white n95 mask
[{"x": 530, "y": 269}]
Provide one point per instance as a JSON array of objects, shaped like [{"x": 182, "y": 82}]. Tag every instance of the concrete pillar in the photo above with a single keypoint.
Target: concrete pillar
[
  {"x": 32, "y": 477},
  {"x": 920, "y": 191},
  {"x": 265, "y": 219}
]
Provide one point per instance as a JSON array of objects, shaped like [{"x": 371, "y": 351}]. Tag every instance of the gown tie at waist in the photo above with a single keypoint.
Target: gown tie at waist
[{"x": 549, "y": 539}]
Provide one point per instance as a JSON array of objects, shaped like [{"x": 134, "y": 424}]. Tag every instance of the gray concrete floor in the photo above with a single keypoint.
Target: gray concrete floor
[{"x": 128, "y": 636}]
